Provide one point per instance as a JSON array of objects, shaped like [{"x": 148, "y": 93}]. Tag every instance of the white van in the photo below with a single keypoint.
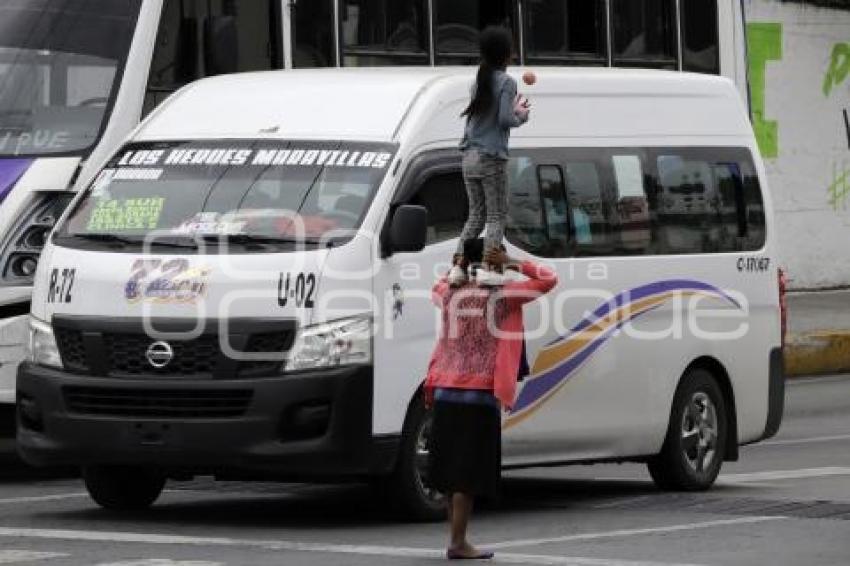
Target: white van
[{"x": 244, "y": 290}]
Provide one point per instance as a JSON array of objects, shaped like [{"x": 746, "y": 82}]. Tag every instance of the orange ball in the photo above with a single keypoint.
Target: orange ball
[{"x": 529, "y": 78}]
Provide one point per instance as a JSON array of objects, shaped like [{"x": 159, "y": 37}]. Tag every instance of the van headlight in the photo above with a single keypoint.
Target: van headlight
[
  {"x": 42, "y": 345},
  {"x": 333, "y": 344}
]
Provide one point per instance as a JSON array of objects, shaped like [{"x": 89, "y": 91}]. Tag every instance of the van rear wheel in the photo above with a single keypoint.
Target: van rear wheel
[
  {"x": 123, "y": 488},
  {"x": 695, "y": 445},
  {"x": 411, "y": 490}
]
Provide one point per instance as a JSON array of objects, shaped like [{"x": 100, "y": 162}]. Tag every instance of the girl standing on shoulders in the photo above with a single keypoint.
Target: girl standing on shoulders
[
  {"x": 472, "y": 374},
  {"x": 495, "y": 108}
]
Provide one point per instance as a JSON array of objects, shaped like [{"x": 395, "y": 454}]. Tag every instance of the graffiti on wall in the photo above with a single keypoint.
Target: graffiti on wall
[
  {"x": 839, "y": 190},
  {"x": 839, "y": 67},
  {"x": 764, "y": 43}
]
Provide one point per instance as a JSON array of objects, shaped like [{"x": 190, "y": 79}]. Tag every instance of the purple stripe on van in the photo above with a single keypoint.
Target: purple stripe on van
[{"x": 11, "y": 170}]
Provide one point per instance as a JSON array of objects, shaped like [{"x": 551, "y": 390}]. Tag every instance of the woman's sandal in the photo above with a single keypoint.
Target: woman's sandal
[{"x": 452, "y": 554}]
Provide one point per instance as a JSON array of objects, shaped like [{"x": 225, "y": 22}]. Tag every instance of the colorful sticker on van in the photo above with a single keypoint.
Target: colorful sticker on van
[
  {"x": 559, "y": 360},
  {"x": 11, "y": 171},
  {"x": 172, "y": 281}
]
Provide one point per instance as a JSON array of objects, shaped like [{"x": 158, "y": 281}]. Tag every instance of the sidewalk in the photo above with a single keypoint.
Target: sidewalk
[{"x": 818, "y": 333}]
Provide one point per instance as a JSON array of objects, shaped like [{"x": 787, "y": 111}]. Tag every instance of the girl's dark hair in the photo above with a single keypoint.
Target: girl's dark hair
[{"x": 496, "y": 46}]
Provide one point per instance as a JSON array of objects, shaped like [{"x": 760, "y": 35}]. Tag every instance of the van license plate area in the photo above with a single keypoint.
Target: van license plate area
[{"x": 152, "y": 433}]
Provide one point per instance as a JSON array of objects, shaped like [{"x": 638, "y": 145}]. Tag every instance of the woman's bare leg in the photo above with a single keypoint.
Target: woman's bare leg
[{"x": 460, "y": 510}]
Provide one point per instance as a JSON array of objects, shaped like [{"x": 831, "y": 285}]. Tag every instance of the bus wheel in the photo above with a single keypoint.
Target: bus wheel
[
  {"x": 693, "y": 450},
  {"x": 411, "y": 490},
  {"x": 123, "y": 488}
]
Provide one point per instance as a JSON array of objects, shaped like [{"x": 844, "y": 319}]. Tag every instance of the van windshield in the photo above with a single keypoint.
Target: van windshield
[
  {"x": 253, "y": 195},
  {"x": 60, "y": 63}
]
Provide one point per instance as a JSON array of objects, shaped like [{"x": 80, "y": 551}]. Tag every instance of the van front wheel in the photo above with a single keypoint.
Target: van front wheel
[
  {"x": 411, "y": 490},
  {"x": 693, "y": 450},
  {"x": 122, "y": 488}
]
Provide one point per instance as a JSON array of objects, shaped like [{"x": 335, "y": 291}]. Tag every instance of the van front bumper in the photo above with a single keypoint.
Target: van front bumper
[{"x": 309, "y": 424}]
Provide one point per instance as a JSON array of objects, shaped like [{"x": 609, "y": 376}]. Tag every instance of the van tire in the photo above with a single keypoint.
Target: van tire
[
  {"x": 123, "y": 488},
  {"x": 408, "y": 484},
  {"x": 698, "y": 413}
]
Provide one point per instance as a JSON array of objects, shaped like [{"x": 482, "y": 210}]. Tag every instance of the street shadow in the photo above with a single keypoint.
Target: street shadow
[
  {"x": 13, "y": 470},
  {"x": 306, "y": 507}
]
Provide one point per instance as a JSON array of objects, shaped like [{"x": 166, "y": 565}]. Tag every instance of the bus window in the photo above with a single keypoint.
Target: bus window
[
  {"x": 700, "y": 52},
  {"x": 60, "y": 67},
  {"x": 313, "y": 34},
  {"x": 458, "y": 23},
  {"x": 186, "y": 47},
  {"x": 384, "y": 32},
  {"x": 565, "y": 32},
  {"x": 644, "y": 33}
]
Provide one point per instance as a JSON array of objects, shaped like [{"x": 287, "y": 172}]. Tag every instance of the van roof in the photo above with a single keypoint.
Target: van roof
[{"x": 371, "y": 104}]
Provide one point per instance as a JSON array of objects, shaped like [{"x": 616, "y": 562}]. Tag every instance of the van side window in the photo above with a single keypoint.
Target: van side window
[
  {"x": 754, "y": 213},
  {"x": 631, "y": 206},
  {"x": 197, "y": 39},
  {"x": 444, "y": 195},
  {"x": 538, "y": 220},
  {"x": 553, "y": 194},
  {"x": 588, "y": 218},
  {"x": 708, "y": 202},
  {"x": 525, "y": 214}
]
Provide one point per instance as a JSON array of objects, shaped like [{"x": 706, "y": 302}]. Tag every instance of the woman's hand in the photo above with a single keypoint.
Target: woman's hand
[{"x": 500, "y": 259}]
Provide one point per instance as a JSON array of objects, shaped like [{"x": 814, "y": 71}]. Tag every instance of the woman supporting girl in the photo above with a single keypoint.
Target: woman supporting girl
[{"x": 472, "y": 374}]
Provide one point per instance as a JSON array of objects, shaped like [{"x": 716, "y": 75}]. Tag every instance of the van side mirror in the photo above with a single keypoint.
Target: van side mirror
[
  {"x": 221, "y": 45},
  {"x": 408, "y": 229}
]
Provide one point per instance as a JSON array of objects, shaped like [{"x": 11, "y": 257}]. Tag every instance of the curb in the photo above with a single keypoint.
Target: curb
[{"x": 817, "y": 352}]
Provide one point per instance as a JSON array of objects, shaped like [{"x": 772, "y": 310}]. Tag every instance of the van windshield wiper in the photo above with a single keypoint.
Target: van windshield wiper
[
  {"x": 242, "y": 239},
  {"x": 126, "y": 240},
  {"x": 107, "y": 238}
]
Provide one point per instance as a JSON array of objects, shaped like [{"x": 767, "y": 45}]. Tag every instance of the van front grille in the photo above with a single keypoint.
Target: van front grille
[
  {"x": 71, "y": 348},
  {"x": 157, "y": 403},
  {"x": 126, "y": 354}
]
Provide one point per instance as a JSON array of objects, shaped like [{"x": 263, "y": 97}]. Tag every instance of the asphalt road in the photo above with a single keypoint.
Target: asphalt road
[{"x": 787, "y": 502}]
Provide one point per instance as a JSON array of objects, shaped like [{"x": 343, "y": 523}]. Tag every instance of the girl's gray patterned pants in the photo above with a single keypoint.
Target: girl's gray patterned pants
[{"x": 485, "y": 178}]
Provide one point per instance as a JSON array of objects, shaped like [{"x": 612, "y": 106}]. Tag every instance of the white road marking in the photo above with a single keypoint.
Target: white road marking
[
  {"x": 161, "y": 562},
  {"x": 544, "y": 559},
  {"x": 793, "y": 441},
  {"x": 37, "y": 498},
  {"x": 18, "y": 556},
  {"x": 351, "y": 549},
  {"x": 774, "y": 475},
  {"x": 630, "y": 532}
]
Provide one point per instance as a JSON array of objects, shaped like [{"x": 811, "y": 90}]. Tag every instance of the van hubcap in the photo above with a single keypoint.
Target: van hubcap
[{"x": 699, "y": 432}]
